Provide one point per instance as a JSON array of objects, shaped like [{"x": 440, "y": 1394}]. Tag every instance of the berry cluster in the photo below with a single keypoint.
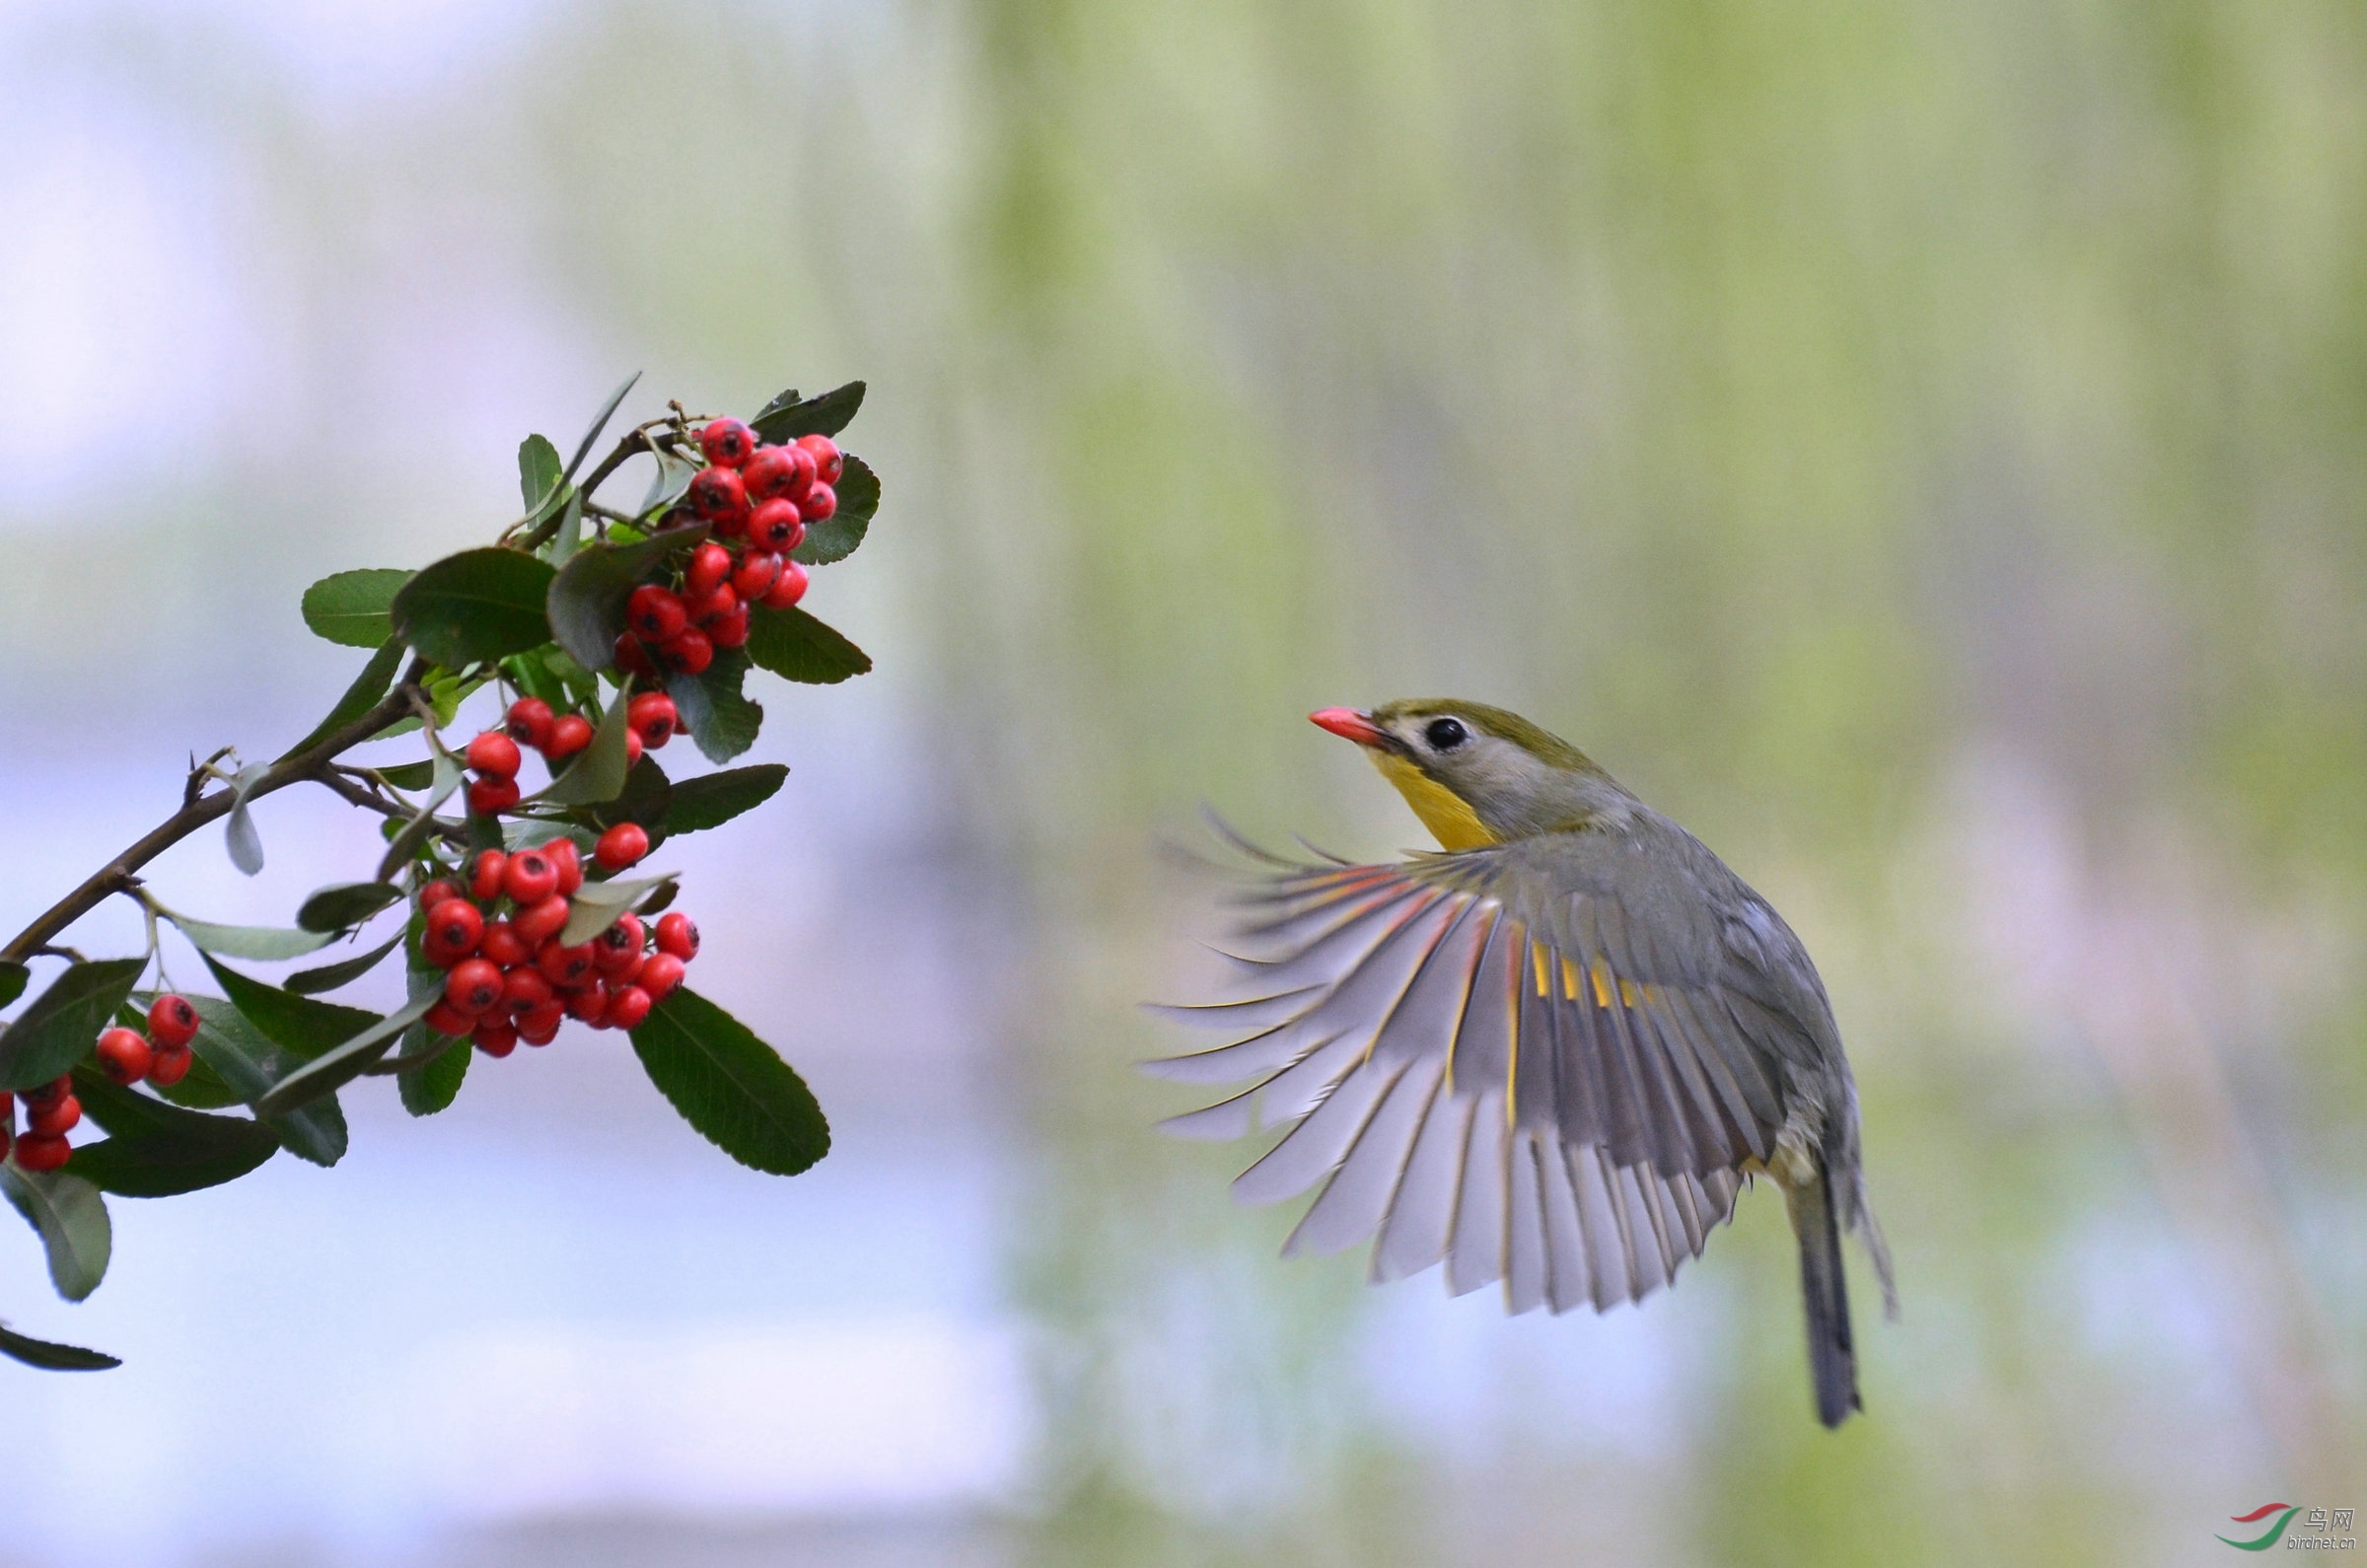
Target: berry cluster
[
  {"x": 757, "y": 500},
  {"x": 496, "y": 755},
  {"x": 509, "y": 978},
  {"x": 125, "y": 1056}
]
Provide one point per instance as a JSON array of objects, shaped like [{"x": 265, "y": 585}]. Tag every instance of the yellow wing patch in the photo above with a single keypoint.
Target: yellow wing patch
[{"x": 1451, "y": 822}]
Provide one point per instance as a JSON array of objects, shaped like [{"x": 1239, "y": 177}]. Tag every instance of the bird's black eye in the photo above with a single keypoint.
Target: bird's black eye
[{"x": 1444, "y": 735}]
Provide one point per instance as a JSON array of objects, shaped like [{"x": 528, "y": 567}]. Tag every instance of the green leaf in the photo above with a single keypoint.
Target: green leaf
[
  {"x": 302, "y": 1024},
  {"x": 648, "y": 796},
  {"x": 53, "y": 1356},
  {"x": 154, "y": 1150},
  {"x": 342, "y": 906},
  {"x": 788, "y": 417},
  {"x": 200, "y": 1088},
  {"x": 538, "y": 476},
  {"x": 433, "y": 1088},
  {"x": 835, "y": 537},
  {"x": 794, "y": 646},
  {"x": 475, "y": 605},
  {"x": 722, "y": 723},
  {"x": 731, "y": 1086},
  {"x": 350, "y": 608},
  {"x": 56, "y": 1030},
  {"x": 359, "y": 698},
  {"x": 597, "y": 905},
  {"x": 607, "y": 411},
  {"x": 446, "y": 778},
  {"x": 597, "y": 772},
  {"x": 409, "y": 775},
  {"x": 245, "y": 845},
  {"x": 263, "y": 943},
  {"x": 586, "y": 603},
  {"x": 331, "y": 1070},
  {"x": 13, "y": 976},
  {"x": 570, "y": 536},
  {"x": 249, "y": 1064},
  {"x": 328, "y": 977},
  {"x": 714, "y": 799},
  {"x": 71, "y": 1218},
  {"x": 667, "y": 484}
]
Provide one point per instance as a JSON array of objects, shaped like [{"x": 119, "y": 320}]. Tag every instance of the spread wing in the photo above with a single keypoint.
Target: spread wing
[{"x": 1541, "y": 1086}]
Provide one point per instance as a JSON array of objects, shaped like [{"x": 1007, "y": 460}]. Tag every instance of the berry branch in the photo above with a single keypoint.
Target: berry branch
[{"x": 517, "y": 915}]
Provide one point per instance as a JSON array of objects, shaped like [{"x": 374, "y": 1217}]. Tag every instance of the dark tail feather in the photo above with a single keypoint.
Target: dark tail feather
[{"x": 1831, "y": 1357}]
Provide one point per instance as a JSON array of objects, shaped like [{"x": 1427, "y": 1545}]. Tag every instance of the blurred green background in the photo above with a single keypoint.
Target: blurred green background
[{"x": 1922, "y": 448}]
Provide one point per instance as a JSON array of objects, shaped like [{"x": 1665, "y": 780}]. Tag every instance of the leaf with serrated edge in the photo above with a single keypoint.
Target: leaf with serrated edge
[
  {"x": 350, "y": 608},
  {"x": 597, "y": 772},
  {"x": 597, "y": 905},
  {"x": 788, "y": 417},
  {"x": 427, "y": 1089},
  {"x": 835, "y": 537},
  {"x": 250, "y": 1063},
  {"x": 265, "y": 944},
  {"x": 56, "y": 1029},
  {"x": 797, "y": 647},
  {"x": 714, "y": 799},
  {"x": 478, "y": 605},
  {"x": 723, "y": 723},
  {"x": 731, "y": 1086},
  {"x": 154, "y": 1150},
  {"x": 342, "y": 906},
  {"x": 328, "y": 977},
  {"x": 50, "y": 1356},
  {"x": 71, "y": 1219},
  {"x": 359, "y": 698}
]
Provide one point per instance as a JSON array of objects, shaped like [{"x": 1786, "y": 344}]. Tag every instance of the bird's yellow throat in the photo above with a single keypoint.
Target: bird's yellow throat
[{"x": 1450, "y": 821}]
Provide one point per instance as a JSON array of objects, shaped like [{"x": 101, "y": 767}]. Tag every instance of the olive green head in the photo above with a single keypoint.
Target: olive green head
[{"x": 1477, "y": 774}]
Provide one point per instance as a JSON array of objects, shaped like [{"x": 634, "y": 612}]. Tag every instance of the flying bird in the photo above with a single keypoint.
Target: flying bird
[{"x": 1551, "y": 1054}]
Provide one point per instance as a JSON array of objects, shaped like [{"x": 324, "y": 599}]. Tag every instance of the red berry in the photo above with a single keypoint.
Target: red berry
[
  {"x": 660, "y": 976},
  {"x": 690, "y": 651},
  {"x": 589, "y": 1000},
  {"x": 820, "y": 504},
  {"x": 494, "y": 755},
  {"x": 529, "y": 878},
  {"x": 632, "y": 655},
  {"x": 445, "y": 1019},
  {"x": 632, "y": 748},
  {"x": 55, "y": 1122},
  {"x": 829, "y": 461},
  {"x": 125, "y": 1056},
  {"x": 629, "y": 1005},
  {"x": 732, "y": 523},
  {"x": 788, "y": 588},
  {"x": 730, "y": 631},
  {"x": 677, "y": 936},
  {"x": 485, "y": 875},
  {"x": 621, "y": 846},
  {"x": 491, "y": 796},
  {"x": 435, "y": 892},
  {"x": 727, "y": 443},
  {"x": 653, "y": 717},
  {"x": 171, "y": 1021},
  {"x": 502, "y": 947},
  {"x": 570, "y": 861},
  {"x": 802, "y": 477},
  {"x": 529, "y": 722},
  {"x": 539, "y": 1025},
  {"x": 717, "y": 493},
  {"x": 495, "y": 1038},
  {"x": 775, "y": 526},
  {"x": 655, "y": 612},
  {"x": 523, "y": 990},
  {"x": 768, "y": 473},
  {"x": 565, "y": 968},
  {"x": 714, "y": 604},
  {"x": 539, "y": 923},
  {"x": 455, "y": 930},
  {"x": 568, "y": 736},
  {"x": 48, "y": 1094},
  {"x": 756, "y": 571},
  {"x": 171, "y": 1066},
  {"x": 619, "y": 947},
  {"x": 710, "y": 564},
  {"x": 36, "y": 1153},
  {"x": 473, "y": 987}
]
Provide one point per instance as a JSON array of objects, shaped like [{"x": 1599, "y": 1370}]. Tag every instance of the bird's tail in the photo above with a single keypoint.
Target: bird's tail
[{"x": 1831, "y": 1355}]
